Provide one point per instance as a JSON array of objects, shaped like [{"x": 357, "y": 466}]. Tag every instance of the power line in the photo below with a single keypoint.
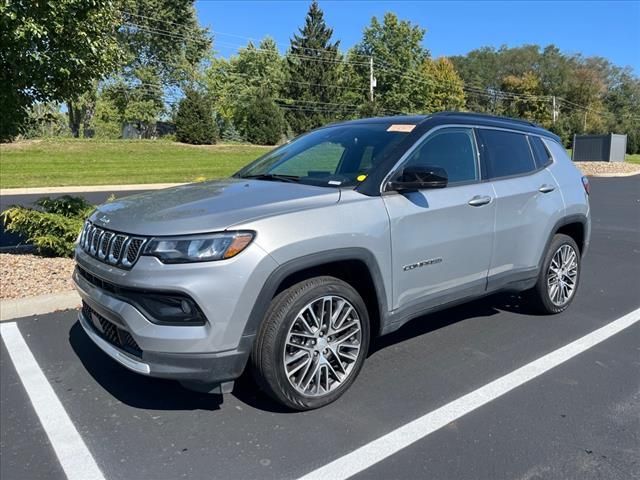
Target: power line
[
  {"x": 262, "y": 79},
  {"x": 496, "y": 94},
  {"x": 155, "y": 31},
  {"x": 234, "y": 35}
]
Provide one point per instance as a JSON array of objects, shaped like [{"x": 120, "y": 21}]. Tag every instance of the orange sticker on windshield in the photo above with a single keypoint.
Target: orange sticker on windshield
[{"x": 401, "y": 127}]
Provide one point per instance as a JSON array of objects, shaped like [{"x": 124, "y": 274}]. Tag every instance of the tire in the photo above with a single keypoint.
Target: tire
[
  {"x": 284, "y": 336},
  {"x": 542, "y": 297}
]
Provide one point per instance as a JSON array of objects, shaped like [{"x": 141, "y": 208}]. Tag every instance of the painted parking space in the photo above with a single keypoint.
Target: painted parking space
[
  {"x": 137, "y": 427},
  {"x": 581, "y": 420}
]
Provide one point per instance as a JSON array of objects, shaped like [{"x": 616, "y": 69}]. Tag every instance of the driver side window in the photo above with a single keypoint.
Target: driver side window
[{"x": 452, "y": 149}]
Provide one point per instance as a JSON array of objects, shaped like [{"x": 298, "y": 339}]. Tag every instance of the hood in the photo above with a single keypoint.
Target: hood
[{"x": 208, "y": 206}]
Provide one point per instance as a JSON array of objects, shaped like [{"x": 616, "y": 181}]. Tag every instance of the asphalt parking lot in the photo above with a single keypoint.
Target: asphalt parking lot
[{"x": 578, "y": 420}]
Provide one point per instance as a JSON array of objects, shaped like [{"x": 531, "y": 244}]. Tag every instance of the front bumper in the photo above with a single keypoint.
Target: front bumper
[
  {"x": 206, "y": 369},
  {"x": 215, "y": 352}
]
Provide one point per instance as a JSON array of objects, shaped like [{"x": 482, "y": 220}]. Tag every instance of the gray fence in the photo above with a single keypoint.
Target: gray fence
[{"x": 599, "y": 148}]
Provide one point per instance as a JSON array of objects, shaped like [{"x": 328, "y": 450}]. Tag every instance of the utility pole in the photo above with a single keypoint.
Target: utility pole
[
  {"x": 372, "y": 80},
  {"x": 555, "y": 110},
  {"x": 584, "y": 128}
]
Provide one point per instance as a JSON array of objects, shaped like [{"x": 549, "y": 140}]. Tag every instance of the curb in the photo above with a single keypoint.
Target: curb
[
  {"x": 38, "y": 305},
  {"x": 611, "y": 175},
  {"x": 87, "y": 188}
]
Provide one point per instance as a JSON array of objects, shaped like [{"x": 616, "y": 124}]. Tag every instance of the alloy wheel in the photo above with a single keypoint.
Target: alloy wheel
[
  {"x": 562, "y": 275},
  {"x": 322, "y": 345}
]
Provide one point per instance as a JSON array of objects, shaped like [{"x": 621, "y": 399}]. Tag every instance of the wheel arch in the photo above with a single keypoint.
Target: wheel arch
[
  {"x": 576, "y": 226},
  {"x": 356, "y": 266}
]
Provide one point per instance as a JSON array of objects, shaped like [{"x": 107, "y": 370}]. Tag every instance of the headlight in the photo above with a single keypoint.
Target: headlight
[{"x": 199, "y": 248}]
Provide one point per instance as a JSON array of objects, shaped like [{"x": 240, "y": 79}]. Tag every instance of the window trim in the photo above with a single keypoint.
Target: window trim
[
  {"x": 474, "y": 127},
  {"x": 418, "y": 143}
]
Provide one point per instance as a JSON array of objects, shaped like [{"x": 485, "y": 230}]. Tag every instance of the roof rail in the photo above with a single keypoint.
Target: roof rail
[{"x": 487, "y": 116}]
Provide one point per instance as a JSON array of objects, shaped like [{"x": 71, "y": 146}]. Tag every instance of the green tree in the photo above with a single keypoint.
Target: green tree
[
  {"x": 254, "y": 71},
  {"x": 263, "y": 122},
  {"x": 396, "y": 47},
  {"x": 51, "y": 51},
  {"x": 163, "y": 46},
  {"x": 194, "y": 120},
  {"x": 140, "y": 104},
  {"x": 165, "y": 36},
  {"x": 623, "y": 101},
  {"x": 313, "y": 68},
  {"x": 528, "y": 101},
  {"x": 443, "y": 87},
  {"x": 222, "y": 84},
  {"x": 107, "y": 120},
  {"x": 44, "y": 120},
  {"x": 260, "y": 68},
  {"x": 80, "y": 111}
]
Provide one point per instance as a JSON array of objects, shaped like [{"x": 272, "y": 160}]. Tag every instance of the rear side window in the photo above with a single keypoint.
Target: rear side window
[
  {"x": 557, "y": 150},
  {"x": 540, "y": 152},
  {"x": 505, "y": 153}
]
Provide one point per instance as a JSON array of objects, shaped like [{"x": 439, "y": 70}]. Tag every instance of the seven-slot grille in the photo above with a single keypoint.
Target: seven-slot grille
[{"x": 111, "y": 247}]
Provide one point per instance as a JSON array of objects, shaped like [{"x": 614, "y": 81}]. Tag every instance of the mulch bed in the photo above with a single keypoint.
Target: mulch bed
[
  {"x": 26, "y": 275},
  {"x": 607, "y": 168}
]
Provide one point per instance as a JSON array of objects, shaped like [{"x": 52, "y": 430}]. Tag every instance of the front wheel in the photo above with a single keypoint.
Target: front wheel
[
  {"x": 559, "y": 276},
  {"x": 312, "y": 343}
]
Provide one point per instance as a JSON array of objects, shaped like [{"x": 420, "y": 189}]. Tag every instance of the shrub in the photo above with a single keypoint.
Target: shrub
[
  {"x": 228, "y": 131},
  {"x": 194, "y": 120},
  {"x": 53, "y": 227},
  {"x": 262, "y": 121}
]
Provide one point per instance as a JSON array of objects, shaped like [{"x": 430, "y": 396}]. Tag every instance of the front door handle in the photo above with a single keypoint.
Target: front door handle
[
  {"x": 479, "y": 200},
  {"x": 546, "y": 188}
]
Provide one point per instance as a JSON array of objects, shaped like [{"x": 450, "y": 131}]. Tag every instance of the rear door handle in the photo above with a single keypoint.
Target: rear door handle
[
  {"x": 479, "y": 200},
  {"x": 546, "y": 188}
]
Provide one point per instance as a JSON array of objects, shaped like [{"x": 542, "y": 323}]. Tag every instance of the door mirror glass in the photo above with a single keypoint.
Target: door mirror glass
[{"x": 416, "y": 177}]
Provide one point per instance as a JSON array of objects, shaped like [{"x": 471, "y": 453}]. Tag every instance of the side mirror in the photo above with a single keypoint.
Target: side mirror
[{"x": 417, "y": 177}]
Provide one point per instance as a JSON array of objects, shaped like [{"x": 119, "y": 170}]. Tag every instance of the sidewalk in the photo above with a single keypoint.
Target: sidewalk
[
  {"x": 38, "y": 305},
  {"x": 86, "y": 188}
]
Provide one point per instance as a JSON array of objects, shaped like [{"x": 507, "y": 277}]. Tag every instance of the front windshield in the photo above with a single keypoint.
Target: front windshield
[{"x": 333, "y": 156}]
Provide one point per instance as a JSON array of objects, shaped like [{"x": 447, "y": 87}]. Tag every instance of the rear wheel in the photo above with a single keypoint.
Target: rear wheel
[
  {"x": 559, "y": 276},
  {"x": 312, "y": 343}
]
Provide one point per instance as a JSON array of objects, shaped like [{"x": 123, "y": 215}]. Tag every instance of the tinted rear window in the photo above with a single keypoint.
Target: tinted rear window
[
  {"x": 540, "y": 152},
  {"x": 505, "y": 153}
]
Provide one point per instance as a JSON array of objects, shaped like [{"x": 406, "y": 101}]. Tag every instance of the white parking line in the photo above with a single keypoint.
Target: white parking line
[
  {"x": 75, "y": 458},
  {"x": 385, "y": 446}
]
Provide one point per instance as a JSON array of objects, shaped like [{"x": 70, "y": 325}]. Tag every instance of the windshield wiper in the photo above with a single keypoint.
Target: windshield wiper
[{"x": 273, "y": 176}]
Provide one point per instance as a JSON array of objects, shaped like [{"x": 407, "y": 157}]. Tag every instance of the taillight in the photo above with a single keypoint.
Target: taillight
[{"x": 586, "y": 185}]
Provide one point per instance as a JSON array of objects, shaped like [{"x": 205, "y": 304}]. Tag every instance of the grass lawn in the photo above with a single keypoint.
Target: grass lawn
[
  {"x": 68, "y": 162},
  {"x": 64, "y": 162},
  {"x": 635, "y": 158}
]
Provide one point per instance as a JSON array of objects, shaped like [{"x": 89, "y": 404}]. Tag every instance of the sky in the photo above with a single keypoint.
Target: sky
[{"x": 592, "y": 28}]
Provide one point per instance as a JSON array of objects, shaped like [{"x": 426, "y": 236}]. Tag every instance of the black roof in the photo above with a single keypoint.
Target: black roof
[{"x": 462, "y": 118}]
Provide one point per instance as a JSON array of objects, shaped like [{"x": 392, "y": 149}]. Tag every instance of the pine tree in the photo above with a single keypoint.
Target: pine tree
[
  {"x": 194, "y": 120},
  {"x": 313, "y": 65},
  {"x": 263, "y": 122}
]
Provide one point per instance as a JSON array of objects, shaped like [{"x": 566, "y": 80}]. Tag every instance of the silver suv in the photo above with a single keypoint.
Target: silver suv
[{"x": 298, "y": 261}]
